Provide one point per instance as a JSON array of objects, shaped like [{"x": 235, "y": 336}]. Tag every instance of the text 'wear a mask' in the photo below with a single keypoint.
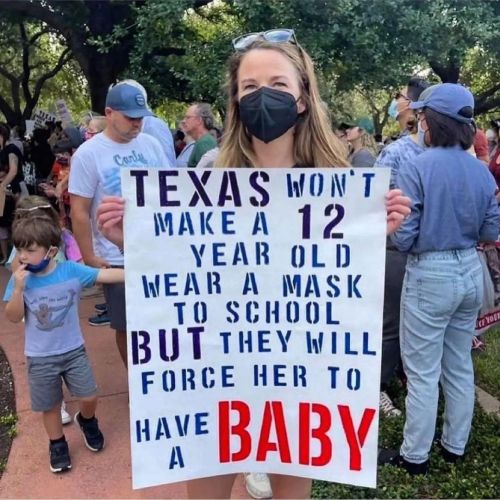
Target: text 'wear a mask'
[{"x": 268, "y": 113}]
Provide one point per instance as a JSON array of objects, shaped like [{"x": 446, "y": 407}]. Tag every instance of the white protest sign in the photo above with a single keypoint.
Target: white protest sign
[
  {"x": 41, "y": 116},
  {"x": 29, "y": 126},
  {"x": 254, "y": 315},
  {"x": 63, "y": 112}
]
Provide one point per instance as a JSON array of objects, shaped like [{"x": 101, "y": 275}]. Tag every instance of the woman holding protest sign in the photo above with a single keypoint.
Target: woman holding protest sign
[{"x": 275, "y": 118}]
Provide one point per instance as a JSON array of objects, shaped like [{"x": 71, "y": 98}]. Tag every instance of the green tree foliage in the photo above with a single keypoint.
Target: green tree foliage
[
  {"x": 367, "y": 47},
  {"x": 63, "y": 86},
  {"x": 32, "y": 55},
  {"x": 181, "y": 49},
  {"x": 86, "y": 26}
]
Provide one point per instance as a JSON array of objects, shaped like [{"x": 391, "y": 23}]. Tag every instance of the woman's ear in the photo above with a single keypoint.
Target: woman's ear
[{"x": 301, "y": 107}]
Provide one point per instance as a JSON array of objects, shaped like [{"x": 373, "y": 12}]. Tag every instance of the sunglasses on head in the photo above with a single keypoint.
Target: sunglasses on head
[
  {"x": 31, "y": 209},
  {"x": 274, "y": 36}
]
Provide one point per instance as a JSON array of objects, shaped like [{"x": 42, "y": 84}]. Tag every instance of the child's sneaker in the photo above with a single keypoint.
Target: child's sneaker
[
  {"x": 101, "y": 308},
  {"x": 94, "y": 440},
  {"x": 65, "y": 416},
  {"x": 100, "y": 319},
  {"x": 59, "y": 456}
]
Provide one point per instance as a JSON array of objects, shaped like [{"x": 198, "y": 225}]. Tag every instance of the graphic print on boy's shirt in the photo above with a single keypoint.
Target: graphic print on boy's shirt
[{"x": 44, "y": 313}]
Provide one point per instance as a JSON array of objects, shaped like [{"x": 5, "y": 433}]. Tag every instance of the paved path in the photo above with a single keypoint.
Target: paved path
[{"x": 94, "y": 475}]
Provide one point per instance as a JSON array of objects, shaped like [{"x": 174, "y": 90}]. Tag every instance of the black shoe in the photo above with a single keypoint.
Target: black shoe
[
  {"x": 392, "y": 457},
  {"x": 94, "y": 440},
  {"x": 101, "y": 308},
  {"x": 99, "y": 320},
  {"x": 60, "y": 460},
  {"x": 449, "y": 456}
]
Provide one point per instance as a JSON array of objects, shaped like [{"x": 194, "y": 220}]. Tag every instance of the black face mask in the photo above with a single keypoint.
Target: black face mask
[{"x": 268, "y": 113}]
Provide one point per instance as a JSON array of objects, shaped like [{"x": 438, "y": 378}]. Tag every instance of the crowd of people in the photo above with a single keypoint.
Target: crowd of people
[{"x": 66, "y": 228}]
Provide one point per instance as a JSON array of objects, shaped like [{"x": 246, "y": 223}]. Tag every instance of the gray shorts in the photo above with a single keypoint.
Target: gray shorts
[
  {"x": 45, "y": 376},
  {"x": 115, "y": 299}
]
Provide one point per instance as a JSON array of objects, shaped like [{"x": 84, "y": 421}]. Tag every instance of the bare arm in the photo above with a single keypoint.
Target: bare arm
[
  {"x": 14, "y": 310},
  {"x": 61, "y": 187},
  {"x": 11, "y": 174},
  {"x": 80, "y": 215},
  {"x": 111, "y": 275}
]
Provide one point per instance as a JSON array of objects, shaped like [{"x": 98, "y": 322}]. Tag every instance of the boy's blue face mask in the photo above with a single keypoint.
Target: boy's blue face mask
[{"x": 38, "y": 268}]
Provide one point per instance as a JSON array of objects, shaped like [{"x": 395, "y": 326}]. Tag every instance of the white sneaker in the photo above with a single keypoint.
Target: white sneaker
[
  {"x": 258, "y": 485},
  {"x": 65, "y": 416},
  {"x": 387, "y": 406}
]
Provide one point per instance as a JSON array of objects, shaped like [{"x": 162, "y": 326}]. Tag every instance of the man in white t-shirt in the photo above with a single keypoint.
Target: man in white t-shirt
[{"x": 95, "y": 172}]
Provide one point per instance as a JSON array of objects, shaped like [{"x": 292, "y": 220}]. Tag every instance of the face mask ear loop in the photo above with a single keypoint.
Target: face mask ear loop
[{"x": 47, "y": 255}]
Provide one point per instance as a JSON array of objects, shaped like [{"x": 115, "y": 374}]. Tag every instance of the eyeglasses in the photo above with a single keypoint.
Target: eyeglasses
[
  {"x": 274, "y": 36},
  {"x": 400, "y": 95},
  {"x": 420, "y": 115}
]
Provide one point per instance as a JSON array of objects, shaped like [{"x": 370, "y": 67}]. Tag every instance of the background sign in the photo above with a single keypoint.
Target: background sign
[
  {"x": 254, "y": 310},
  {"x": 41, "y": 116},
  {"x": 63, "y": 112}
]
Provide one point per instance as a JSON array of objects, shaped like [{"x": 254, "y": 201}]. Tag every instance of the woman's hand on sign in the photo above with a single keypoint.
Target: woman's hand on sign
[
  {"x": 110, "y": 219},
  {"x": 398, "y": 209}
]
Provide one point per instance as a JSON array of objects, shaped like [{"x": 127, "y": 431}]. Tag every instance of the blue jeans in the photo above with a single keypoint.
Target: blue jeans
[{"x": 442, "y": 294}]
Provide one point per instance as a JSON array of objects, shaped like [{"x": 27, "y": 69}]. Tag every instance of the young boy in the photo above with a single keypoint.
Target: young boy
[{"x": 46, "y": 294}]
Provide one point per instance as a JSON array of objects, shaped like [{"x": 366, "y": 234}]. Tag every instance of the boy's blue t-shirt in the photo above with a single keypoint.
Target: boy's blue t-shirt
[{"x": 51, "y": 308}]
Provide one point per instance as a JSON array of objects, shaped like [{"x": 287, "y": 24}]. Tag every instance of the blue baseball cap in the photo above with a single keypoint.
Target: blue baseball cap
[
  {"x": 447, "y": 99},
  {"x": 128, "y": 100}
]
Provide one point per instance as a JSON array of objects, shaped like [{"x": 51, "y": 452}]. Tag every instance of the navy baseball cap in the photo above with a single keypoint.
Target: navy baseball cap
[
  {"x": 447, "y": 99},
  {"x": 128, "y": 100}
]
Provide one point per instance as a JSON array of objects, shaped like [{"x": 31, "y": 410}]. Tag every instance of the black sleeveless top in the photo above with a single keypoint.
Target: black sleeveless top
[{"x": 4, "y": 165}]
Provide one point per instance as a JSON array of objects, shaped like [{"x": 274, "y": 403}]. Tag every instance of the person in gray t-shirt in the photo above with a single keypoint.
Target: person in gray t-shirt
[{"x": 364, "y": 147}]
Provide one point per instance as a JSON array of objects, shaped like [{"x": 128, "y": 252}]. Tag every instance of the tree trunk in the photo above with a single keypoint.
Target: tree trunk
[
  {"x": 100, "y": 73},
  {"x": 12, "y": 118},
  {"x": 448, "y": 73}
]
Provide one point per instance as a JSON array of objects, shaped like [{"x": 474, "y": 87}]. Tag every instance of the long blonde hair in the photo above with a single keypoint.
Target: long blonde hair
[
  {"x": 368, "y": 142},
  {"x": 315, "y": 144}
]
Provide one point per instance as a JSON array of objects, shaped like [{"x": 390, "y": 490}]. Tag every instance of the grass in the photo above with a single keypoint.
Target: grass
[
  {"x": 8, "y": 422},
  {"x": 478, "y": 476},
  {"x": 487, "y": 364}
]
